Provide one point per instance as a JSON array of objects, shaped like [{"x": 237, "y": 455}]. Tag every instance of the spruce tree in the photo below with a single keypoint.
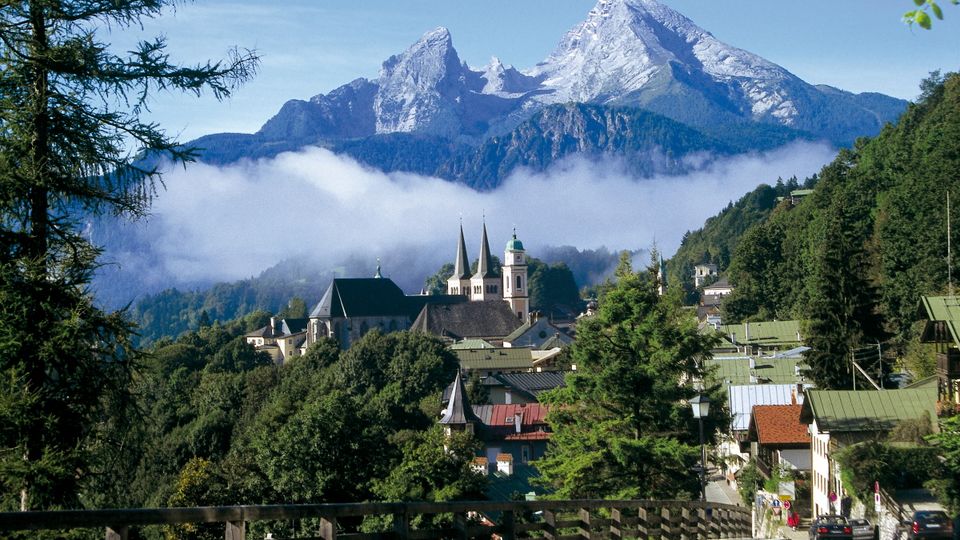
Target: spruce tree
[
  {"x": 621, "y": 427},
  {"x": 842, "y": 313},
  {"x": 72, "y": 146}
]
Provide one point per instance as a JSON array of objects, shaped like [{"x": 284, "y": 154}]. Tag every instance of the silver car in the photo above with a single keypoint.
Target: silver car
[{"x": 862, "y": 529}]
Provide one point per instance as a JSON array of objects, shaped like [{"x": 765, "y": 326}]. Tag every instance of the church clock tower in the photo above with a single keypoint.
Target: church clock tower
[{"x": 515, "y": 278}]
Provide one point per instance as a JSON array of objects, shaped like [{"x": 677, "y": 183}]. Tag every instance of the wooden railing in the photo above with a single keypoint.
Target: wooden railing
[{"x": 555, "y": 520}]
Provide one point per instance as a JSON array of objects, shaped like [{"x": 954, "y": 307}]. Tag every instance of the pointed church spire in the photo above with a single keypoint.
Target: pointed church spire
[
  {"x": 458, "y": 411},
  {"x": 378, "y": 275},
  {"x": 485, "y": 267},
  {"x": 461, "y": 268}
]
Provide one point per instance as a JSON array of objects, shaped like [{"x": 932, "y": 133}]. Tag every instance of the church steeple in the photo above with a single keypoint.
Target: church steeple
[
  {"x": 459, "y": 282},
  {"x": 515, "y": 278},
  {"x": 461, "y": 268},
  {"x": 485, "y": 267},
  {"x": 378, "y": 275},
  {"x": 485, "y": 284}
]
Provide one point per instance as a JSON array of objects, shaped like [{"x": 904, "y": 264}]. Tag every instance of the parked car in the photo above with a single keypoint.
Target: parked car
[
  {"x": 929, "y": 525},
  {"x": 830, "y": 527},
  {"x": 862, "y": 529}
]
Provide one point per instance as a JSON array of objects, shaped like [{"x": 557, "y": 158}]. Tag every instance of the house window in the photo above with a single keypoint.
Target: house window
[
  {"x": 524, "y": 454},
  {"x": 519, "y": 284}
]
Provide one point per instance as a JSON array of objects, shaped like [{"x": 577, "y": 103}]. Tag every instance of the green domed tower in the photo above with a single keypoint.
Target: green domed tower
[{"x": 515, "y": 278}]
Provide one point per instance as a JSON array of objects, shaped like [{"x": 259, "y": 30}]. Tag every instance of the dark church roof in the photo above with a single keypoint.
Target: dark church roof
[
  {"x": 489, "y": 319},
  {"x": 373, "y": 297}
]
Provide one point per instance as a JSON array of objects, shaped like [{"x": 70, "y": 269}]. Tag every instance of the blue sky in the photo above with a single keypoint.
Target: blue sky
[{"x": 312, "y": 46}]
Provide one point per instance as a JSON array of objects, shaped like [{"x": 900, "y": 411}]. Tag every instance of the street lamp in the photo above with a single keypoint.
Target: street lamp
[{"x": 701, "y": 408}]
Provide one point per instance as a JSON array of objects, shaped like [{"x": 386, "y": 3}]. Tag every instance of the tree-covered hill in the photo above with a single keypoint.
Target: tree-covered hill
[
  {"x": 216, "y": 423},
  {"x": 716, "y": 241},
  {"x": 854, "y": 257}
]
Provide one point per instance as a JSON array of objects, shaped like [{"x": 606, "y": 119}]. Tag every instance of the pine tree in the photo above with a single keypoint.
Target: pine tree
[
  {"x": 842, "y": 313},
  {"x": 620, "y": 426},
  {"x": 72, "y": 145}
]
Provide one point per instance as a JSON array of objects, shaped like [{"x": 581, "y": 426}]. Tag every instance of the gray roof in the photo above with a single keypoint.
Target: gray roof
[
  {"x": 458, "y": 409},
  {"x": 538, "y": 334},
  {"x": 532, "y": 384},
  {"x": 742, "y": 399},
  {"x": 373, "y": 297},
  {"x": 287, "y": 327},
  {"x": 489, "y": 319},
  {"x": 361, "y": 297}
]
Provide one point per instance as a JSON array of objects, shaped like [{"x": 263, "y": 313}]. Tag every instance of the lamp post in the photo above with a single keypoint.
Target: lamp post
[{"x": 701, "y": 408}]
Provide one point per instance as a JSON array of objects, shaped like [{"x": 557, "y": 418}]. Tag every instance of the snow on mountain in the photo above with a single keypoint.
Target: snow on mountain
[
  {"x": 615, "y": 54},
  {"x": 420, "y": 89},
  {"x": 632, "y": 53}
]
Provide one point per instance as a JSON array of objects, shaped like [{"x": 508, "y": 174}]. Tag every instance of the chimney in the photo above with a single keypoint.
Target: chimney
[
  {"x": 746, "y": 331},
  {"x": 753, "y": 363},
  {"x": 517, "y": 421},
  {"x": 793, "y": 396},
  {"x": 505, "y": 464},
  {"x": 480, "y": 465},
  {"x": 273, "y": 325}
]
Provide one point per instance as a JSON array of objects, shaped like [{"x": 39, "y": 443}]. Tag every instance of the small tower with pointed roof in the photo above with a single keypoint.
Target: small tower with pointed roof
[
  {"x": 515, "y": 278},
  {"x": 459, "y": 415},
  {"x": 485, "y": 284},
  {"x": 459, "y": 282}
]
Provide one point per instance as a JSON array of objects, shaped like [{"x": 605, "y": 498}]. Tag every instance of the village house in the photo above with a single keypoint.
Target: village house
[
  {"x": 282, "y": 339},
  {"x": 778, "y": 439},
  {"x": 538, "y": 333},
  {"x": 838, "y": 418},
  {"x": 942, "y": 328},
  {"x": 702, "y": 273},
  {"x": 512, "y": 435}
]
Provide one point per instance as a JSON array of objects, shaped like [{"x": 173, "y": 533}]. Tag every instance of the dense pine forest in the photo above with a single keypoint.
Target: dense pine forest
[{"x": 854, "y": 257}]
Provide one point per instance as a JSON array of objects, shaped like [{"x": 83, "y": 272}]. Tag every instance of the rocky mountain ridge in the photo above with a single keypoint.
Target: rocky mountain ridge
[{"x": 637, "y": 54}]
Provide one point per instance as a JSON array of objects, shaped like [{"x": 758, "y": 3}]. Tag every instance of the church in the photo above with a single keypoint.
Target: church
[
  {"x": 478, "y": 305},
  {"x": 485, "y": 284}
]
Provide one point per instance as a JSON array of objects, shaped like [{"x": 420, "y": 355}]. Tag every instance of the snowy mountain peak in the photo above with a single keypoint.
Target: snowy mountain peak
[
  {"x": 419, "y": 88},
  {"x": 626, "y": 48}
]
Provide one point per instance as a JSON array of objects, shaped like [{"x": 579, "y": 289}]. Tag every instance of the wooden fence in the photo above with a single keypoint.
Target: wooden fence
[{"x": 553, "y": 520}]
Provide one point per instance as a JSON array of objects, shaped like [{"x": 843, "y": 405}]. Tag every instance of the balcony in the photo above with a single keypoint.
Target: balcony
[
  {"x": 554, "y": 520},
  {"x": 948, "y": 364}
]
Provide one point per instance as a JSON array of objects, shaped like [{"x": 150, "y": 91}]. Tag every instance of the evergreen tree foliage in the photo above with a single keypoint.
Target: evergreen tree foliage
[
  {"x": 854, "y": 257},
  {"x": 842, "y": 312},
  {"x": 621, "y": 427},
  {"x": 69, "y": 111}
]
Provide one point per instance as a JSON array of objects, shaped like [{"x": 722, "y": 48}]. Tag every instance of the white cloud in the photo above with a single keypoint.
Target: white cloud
[{"x": 226, "y": 223}]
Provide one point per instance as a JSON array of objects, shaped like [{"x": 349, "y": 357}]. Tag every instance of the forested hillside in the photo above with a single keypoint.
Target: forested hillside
[
  {"x": 855, "y": 256},
  {"x": 215, "y": 422},
  {"x": 716, "y": 241}
]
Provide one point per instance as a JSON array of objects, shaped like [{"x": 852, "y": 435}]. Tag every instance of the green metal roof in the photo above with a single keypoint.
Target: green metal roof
[
  {"x": 471, "y": 344},
  {"x": 514, "y": 245},
  {"x": 945, "y": 309},
  {"x": 736, "y": 370},
  {"x": 780, "y": 334},
  {"x": 867, "y": 410},
  {"x": 801, "y": 192},
  {"x": 515, "y": 358}
]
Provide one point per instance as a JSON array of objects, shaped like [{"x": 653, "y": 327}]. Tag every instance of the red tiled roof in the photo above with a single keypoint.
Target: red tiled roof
[
  {"x": 778, "y": 424},
  {"x": 533, "y": 414}
]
